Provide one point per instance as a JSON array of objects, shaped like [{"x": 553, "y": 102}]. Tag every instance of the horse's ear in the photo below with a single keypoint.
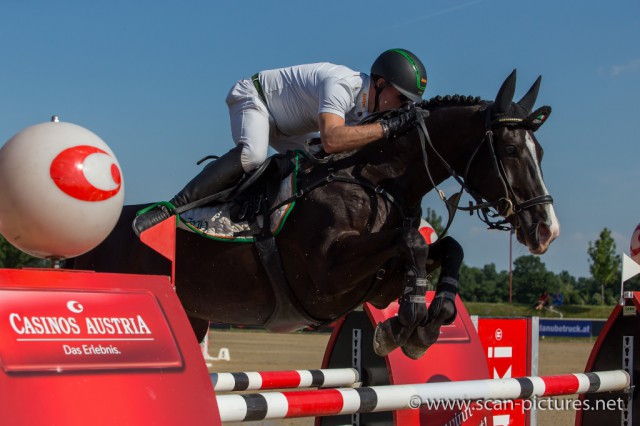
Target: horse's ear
[
  {"x": 505, "y": 94},
  {"x": 529, "y": 99}
]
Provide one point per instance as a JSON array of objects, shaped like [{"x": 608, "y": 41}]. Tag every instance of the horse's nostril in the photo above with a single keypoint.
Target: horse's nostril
[{"x": 544, "y": 233}]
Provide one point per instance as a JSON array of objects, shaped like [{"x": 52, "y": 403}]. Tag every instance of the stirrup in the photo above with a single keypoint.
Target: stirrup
[{"x": 151, "y": 216}]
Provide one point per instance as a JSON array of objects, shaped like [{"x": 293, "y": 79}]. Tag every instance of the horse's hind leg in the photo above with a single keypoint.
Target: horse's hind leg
[
  {"x": 442, "y": 310},
  {"x": 394, "y": 332}
]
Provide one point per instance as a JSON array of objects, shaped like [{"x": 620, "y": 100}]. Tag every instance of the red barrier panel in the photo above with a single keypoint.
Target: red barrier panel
[
  {"x": 100, "y": 349},
  {"x": 618, "y": 346}
]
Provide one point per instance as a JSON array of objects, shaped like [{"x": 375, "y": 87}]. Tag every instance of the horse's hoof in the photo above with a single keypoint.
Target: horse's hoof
[
  {"x": 443, "y": 311},
  {"x": 383, "y": 340},
  {"x": 413, "y": 348},
  {"x": 428, "y": 335}
]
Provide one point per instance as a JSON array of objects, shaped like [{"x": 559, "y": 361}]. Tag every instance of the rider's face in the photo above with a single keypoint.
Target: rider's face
[{"x": 390, "y": 98}]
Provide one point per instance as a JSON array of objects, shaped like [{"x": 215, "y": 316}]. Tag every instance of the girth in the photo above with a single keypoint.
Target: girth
[{"x": 288, "y": 313}]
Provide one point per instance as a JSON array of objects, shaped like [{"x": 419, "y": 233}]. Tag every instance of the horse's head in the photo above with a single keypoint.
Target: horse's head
[{"x": 515, "y": 186}]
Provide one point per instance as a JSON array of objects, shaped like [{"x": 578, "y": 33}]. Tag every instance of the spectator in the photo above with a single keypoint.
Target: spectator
[
  {"x": 558, "y": 299},
  {"x": 543, "y": 301}
]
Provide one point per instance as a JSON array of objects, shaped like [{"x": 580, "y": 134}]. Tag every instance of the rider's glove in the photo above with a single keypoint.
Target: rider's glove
[{"x": 400, "y": 124}]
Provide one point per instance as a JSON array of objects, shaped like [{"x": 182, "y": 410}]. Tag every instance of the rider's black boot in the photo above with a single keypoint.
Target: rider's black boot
[{"x": 216, "y": 177}]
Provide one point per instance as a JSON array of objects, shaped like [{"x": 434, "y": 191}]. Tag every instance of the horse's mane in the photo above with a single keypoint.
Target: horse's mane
[
  {"x": 451, "y": 100},
  {"x": 435, "y": 102}
]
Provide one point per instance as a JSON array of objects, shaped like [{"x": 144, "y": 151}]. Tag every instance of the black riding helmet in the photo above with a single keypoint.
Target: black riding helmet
[{"x": 403, "y": 70}]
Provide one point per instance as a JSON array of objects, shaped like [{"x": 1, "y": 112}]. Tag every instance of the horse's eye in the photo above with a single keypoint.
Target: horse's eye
[{"x": 511, "y": 150}]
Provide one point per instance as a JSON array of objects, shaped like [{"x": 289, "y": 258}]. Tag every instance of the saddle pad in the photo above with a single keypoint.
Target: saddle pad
[{"x": 215, "y": 222}]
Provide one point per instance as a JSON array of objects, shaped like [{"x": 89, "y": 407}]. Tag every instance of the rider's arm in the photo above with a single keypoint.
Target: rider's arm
[{"x": 338, "y": 137}]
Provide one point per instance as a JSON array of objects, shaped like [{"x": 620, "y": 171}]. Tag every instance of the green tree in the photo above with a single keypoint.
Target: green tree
[
  {"x": 11, "y": 257},
  {"x": 531, "y": 278},
  {"x": 586, "y": 287},
  {"x": 471, "y": 288},
  {"x": 484, "y": 284},
  {"x": 604, "y": 263},
  {"x": 568, "y": 287}
]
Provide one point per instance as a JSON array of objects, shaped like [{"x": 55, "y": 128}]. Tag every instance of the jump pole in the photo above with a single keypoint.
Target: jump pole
[
  {"x": 327, "y": 402},
  {"x": 267, "y": 380}
]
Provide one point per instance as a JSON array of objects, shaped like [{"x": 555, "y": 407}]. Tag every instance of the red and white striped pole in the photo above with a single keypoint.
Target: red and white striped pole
[
  {"x": 264, "y": 380},
  {"x": 325, "y": 402}
]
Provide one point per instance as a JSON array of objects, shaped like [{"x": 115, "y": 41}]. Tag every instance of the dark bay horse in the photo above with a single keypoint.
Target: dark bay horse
[{"x": 354, "y": 239}]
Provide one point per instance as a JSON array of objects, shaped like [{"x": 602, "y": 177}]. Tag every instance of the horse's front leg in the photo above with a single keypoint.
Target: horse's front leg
[
  {"x": 442, "y": 310},
  {"x": 412, "y": 312}
]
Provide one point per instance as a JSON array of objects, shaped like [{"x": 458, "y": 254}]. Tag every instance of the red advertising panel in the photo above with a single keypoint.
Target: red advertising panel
[
  {"x": 507, "y": 344},
  {"x": 100, "y": 349}
]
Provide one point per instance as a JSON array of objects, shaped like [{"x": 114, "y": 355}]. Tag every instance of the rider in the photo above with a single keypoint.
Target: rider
[{"x": 284, "y": 107}]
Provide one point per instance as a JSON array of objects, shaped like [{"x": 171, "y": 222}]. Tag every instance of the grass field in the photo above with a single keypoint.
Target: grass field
[{"x": 522, "y": 310}]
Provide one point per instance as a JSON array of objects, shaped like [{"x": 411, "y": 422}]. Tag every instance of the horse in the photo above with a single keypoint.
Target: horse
[{"x": 353, "y": 236}]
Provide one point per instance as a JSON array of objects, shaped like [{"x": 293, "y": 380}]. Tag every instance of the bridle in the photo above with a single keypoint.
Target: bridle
[{"x": 488, "y": 211}]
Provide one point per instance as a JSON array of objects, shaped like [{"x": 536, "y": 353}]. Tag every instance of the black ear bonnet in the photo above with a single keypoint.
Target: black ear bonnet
[{"x": 504, "y": 112}]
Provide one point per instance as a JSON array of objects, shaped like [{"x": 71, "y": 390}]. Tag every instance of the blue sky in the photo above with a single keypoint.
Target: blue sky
[{"x": 150, "y": 78}]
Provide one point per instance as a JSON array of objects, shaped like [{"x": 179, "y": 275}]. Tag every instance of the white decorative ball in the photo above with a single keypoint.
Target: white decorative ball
[{"x": 61, "y": 190}]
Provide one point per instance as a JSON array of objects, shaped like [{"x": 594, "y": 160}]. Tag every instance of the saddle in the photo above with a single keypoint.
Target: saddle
[
  {"x": 247, "y": 209},
  {"x": 257, "y": 192}
]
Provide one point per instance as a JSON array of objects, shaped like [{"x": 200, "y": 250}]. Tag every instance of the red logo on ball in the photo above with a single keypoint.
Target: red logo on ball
[{"x": 72, "y": 173}]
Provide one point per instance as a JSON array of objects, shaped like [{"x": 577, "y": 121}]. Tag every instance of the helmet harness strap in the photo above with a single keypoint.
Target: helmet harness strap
[{"x": 379, "y": 90}]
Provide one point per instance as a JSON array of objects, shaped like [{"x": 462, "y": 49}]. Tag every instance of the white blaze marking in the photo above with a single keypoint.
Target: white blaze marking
[{"x": 554, "y": 226}]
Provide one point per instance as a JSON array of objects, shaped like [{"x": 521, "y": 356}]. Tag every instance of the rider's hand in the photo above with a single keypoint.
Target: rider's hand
[{"x": 400, "y": 124}]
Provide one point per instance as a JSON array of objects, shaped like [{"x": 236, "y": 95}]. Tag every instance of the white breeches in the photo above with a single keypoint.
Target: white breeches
[{"x": 254, "y": 128}]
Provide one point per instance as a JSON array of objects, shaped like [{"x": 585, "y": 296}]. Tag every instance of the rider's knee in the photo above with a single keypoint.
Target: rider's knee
[{"x": 251, "y": 157}]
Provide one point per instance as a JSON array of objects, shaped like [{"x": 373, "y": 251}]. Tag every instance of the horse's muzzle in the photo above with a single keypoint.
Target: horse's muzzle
[{"x": 537, "y": 237}]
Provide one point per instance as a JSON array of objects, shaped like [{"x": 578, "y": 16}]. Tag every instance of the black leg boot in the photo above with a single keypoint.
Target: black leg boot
[
  {"x": 450, "y": 253},
  {"x": 216, "y": 177}
]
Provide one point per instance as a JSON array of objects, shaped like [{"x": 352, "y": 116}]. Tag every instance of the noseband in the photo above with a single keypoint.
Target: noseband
[{"x": 487, "y": 211}]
